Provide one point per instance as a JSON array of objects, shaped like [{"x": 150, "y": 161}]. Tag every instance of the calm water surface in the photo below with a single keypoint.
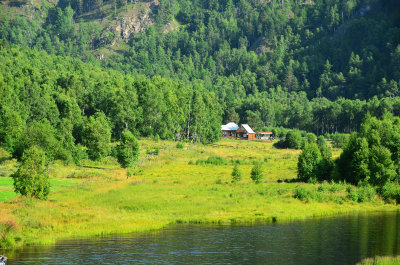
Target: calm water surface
[{"x": 338, "y": 240}]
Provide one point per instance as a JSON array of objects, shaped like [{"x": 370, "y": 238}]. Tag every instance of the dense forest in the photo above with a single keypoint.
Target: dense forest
[
  {"x": 315, "y": 65},
  {"x": 67, "y": 106}
]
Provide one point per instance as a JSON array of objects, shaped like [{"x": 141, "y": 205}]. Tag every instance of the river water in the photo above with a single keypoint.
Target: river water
[{"x": 333, "y": 240}]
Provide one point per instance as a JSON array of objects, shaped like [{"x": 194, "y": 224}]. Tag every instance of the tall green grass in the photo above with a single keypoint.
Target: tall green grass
[{"x": 97, "y": 199}]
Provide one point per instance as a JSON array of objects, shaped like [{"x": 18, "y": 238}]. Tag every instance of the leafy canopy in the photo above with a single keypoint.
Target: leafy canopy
[{"x": 32, "y": 176}]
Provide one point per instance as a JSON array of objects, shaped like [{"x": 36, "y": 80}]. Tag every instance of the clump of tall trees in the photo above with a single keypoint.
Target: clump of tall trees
[{"x": 370, "y": 157}]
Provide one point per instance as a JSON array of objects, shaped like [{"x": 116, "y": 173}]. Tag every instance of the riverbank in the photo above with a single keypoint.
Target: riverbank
[
  {"x": 381, "y": 261},
  {"x": 176, "y": 186}
]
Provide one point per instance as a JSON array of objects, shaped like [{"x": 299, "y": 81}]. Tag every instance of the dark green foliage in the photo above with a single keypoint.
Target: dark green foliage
[
  {"x": 326, "y": 165},
  {"x": 257, "y": 173},
  {"x": 96, "y": 136},
  {"x": 315, "y": 162},
  {"x": 365, "y": 193},
  {"x": 391, "y": 192},
  {"x": 42, "y": 134},
  {"x": 180, "y": 145},
  {"x": 339, "y": 140},
  {"x": 308, "y": 163},
  {"x": 292, "y": 140},
  {"x": 372, "y": 155},
  {"x": 212, "y": 160},
  {"x": 311, "y": 138},
  {"x": 302, "y": 194},
  {"x": 321, "y": 142},
  {"x": 11, "y": 128},
  {"x": 127, "y": 150},
  {"x": 32, "y": 177},
  {"x": 236, "y": 174}
]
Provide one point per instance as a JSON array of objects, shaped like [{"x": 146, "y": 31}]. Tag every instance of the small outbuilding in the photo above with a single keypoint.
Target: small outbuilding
[{"x": 264, "y": 135}]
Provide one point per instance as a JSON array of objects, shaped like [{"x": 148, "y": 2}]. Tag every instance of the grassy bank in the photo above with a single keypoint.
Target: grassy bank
[
  {"x": 174, "y": 186},
  {"x": 381, "y": 261}
]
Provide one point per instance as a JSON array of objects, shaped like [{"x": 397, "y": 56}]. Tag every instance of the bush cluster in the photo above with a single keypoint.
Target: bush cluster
[{"x": 212, "y": 160}]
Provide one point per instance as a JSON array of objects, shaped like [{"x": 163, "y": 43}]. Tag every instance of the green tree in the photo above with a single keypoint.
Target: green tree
[
  {"x": 42, "y": 134},
  {"x": 32, "y": 177},
  {"x": 236, "y": 174},
  {"x": 127, "y": 150},
  {"x": 326, "y": 165},
  {"x": 308, "y": 162},
  {"x": 97, "y": 136},
  {"x": 293, "y": 139},
  {"x": 311, "y": 138},
  {"x": 11, "y": 128},
  {"x": 256, "y": 173}
]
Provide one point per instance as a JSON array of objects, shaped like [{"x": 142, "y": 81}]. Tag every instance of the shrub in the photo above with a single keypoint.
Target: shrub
[
  {"x": 212, "y": 160},
  {"x": 256, "y": 173},
  {"x": 294, "y": 140},
  {"x": 179, "y": 145},
  {"x": 301, "y": 193},
  {"x": 365, "y": 193},
  {"x": 32, "y": 177},
  {"x": 127, "y": 150},
  {"x": 236, "y": 174},
  {"x": 339, "y": 140},
  {"x": 156, "y": 151},
  {"x": 321, "y": 142},
  {"x": 391, "y": 192},
  {"x": 311, "y": 138}
]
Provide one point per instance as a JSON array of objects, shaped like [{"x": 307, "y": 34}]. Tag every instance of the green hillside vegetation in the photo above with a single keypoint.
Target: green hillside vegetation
[{"x": 314, "y": 65}]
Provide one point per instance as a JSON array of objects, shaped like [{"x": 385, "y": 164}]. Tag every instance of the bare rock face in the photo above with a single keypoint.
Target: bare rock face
[{"x": 131, "y": 25}]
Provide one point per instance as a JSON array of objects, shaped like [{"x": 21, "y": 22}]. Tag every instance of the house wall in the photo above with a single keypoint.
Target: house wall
[{"x": 228, "y": 134}]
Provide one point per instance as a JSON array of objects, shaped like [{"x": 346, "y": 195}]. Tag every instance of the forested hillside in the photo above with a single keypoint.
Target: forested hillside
[
  {"x": 318, "y": 65},
  {"x": 73, "y": 109}
]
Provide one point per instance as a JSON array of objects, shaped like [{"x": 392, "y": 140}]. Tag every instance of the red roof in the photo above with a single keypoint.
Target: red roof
[{"x": 264, "y": 132}]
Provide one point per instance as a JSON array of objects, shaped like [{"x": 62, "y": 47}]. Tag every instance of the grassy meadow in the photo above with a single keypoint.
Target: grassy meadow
[{"x": 175, "y": 186}]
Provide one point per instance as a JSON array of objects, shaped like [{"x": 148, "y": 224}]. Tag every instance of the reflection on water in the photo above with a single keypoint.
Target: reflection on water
[{"x": 339, "y": 240}]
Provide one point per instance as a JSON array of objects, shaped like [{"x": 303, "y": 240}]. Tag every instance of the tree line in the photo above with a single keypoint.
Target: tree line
[{"x": 73, "y": 110}]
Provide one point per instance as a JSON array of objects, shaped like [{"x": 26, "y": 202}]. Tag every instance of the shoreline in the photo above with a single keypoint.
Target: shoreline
[
  {"x": 97, "y": 199},
  {"x": 51, "y": 241}
]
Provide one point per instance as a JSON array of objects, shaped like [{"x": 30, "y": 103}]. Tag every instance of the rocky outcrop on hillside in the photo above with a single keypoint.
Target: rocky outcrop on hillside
[{"x": 129, "y": 25}]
